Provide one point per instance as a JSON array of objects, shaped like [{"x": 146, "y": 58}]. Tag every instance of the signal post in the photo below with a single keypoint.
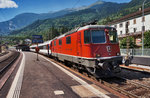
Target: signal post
[{"x": 36, "y": 39}]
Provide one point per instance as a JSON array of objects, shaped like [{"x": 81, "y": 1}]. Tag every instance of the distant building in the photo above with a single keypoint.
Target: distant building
[{"x": 135, "y": 21}]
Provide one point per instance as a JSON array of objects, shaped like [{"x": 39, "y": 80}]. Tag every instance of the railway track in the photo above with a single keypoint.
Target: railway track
[
  {"x": 3, "y": 54},
  {"x": 131, "y": 87},
  {"x": 5, "y": 64},
  {"x": 135, "y": 84},
  {"x": 128, "y": 87}
]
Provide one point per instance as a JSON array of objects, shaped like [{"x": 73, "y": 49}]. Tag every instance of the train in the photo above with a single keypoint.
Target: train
[
  {"x": 91, "y": 48},
  {"x": 23, "y": 47}
]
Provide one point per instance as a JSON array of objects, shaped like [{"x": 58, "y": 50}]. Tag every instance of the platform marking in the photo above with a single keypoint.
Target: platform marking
[
  {"x": 85, "y": 84},
  {"x": 15, "y": 88},
  {"x": 58, "y": 92}
]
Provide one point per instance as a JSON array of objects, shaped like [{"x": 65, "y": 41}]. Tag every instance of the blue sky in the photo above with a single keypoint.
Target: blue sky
[{"x": 11, "y": 8}]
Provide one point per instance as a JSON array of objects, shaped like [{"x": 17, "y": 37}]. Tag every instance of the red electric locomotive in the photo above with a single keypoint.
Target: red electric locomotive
[{"x": 93, "y": 48}]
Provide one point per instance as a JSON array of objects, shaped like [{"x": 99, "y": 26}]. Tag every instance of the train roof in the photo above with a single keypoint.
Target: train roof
[
  {"x": 83, "y": 28},
  {"x": 41, "y": 44},
  {"x": 73, "y": 31},
  {"x": 45, "y": 43},
  {"x": 94, "y": 26}
]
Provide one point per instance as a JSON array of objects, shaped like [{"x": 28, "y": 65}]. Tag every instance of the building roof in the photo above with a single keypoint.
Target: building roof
[{"x": 131, "y": 16}]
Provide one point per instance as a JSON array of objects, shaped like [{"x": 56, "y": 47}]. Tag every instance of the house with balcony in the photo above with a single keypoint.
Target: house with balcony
[{"x": 135, "y": 25}]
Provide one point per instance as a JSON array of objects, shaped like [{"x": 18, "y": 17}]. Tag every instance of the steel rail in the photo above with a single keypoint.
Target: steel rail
[
  {"x": 136, "y": 83},
  {"x": 6, "y": 66}
]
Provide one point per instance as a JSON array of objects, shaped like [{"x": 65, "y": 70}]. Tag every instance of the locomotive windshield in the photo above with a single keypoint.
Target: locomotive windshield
[
  {"x": 98, "y": 36},
  {"x": 113, "y": 36},
  {"x": 94, "y": 36}
]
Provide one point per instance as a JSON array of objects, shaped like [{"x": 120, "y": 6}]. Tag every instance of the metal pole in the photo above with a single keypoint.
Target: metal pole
[
  {"x": 37, "y": 54},
  {"x": 127, "y": 41},
  {"x": 143, "y": 28}
]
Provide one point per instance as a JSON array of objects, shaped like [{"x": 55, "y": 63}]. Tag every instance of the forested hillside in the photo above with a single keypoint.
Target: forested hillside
[
  {"x": 97, "y": 11},
  {"x": 103, "y": 11},
  {"x": 131, "y": 7}
]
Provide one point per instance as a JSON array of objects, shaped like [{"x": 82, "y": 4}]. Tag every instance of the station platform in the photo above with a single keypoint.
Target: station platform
[
  {"x": 138, "y": 67},
  {"x": 46, "y": 79}
]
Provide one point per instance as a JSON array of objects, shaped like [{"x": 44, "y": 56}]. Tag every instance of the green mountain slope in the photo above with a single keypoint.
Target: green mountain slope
[
  {"x": 105, "y": 12},
  {"x": 25, "y": 19},
  {"x": 131, "y": 7},
  {"x": 96, "y": 11}
]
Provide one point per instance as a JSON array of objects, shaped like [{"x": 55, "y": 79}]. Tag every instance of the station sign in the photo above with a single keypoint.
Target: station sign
[{"x": 37, "y": 39}]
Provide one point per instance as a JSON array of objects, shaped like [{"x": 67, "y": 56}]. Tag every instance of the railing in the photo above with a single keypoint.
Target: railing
[{"x": 136, "y": 52}]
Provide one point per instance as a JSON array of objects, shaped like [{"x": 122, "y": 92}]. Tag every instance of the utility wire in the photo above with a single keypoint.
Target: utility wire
[
  {"x": 75, "y": 4},
  {"x": 1, "y": 15}
]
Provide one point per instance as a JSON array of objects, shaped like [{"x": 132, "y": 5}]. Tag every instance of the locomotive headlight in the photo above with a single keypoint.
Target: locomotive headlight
[
  {"x": 98, "y": 55},
  {"x": 118, "y": 54}
]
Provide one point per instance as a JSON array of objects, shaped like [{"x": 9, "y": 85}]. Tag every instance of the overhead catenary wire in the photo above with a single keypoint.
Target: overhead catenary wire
[
  {"x": 1, "y": 15},
  {"x": 75, "y": 4}
]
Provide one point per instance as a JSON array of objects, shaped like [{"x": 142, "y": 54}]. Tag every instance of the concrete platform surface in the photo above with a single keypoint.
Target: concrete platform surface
[{"x": 45, "y": 79}]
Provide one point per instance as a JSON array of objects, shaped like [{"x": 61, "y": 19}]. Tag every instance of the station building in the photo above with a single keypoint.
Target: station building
[{"x": 135, "y": 28}]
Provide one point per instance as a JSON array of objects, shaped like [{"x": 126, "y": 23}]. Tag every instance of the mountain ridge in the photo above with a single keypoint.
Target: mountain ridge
[
  {"x": 71, "y": 20},
  {"x": 24, "y": 19}
]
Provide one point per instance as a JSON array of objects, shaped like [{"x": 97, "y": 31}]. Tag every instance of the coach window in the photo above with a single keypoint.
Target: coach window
[
  {"x": 54, "y": 43},
  {"x": 87, "y": 37},
  {"x": 68, "y": 40},
  {"x": 44, "y": 47},
  {"x": 60, "y": 42}
]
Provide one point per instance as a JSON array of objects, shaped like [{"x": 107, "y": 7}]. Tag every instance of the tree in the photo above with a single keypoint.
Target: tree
[
  {"x": 147, "y": 39},
  {"x": 123, "y": 43}
]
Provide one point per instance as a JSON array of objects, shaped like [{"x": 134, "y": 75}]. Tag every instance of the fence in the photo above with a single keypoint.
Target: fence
[{"x": 136, "y": 52}]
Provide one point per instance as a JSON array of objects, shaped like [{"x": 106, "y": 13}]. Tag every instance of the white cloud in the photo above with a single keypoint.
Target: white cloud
[{"x": 8, "y": 4}]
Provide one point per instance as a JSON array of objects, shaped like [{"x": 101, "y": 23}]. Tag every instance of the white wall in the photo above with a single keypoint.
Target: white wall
[{"x": 138, "y": 25}]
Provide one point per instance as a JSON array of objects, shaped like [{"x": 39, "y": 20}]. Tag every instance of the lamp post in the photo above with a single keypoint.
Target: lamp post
[{"x": 143, "y": 27}]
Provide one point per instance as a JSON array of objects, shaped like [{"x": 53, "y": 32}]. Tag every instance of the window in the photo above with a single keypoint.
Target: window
[
  {"x": 134, "y": 29},
  {"x": 113, "y": 36},
  {"x": 98, "y": 36},
  {"x": 87, "y": 37},
  {"x": 60, "y": 42},
  {"x": 143, "y": 19},
  {"x": 143, "y": 28},
  {"x": 120, "y": 32},
  {"x": 134, "y": 21},
  {"x": 94, "y": 36},
  {"x": 44, "y": 47},
  {"x": 121, "y": 25},
  {"x": 128, "y": 23},
  {"x": 54, "y": 43},
  {"x": 68, "y": 40}
]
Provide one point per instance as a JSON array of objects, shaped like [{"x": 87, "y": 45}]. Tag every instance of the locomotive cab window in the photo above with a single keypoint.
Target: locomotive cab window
[
  {"x": 113, "y": 36},
  {"x": 87, "y": 37},
  {"x": 68, "y": 40},
  {"x": 94, "y": 36},
  {"x": 98, "y": 36}
]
